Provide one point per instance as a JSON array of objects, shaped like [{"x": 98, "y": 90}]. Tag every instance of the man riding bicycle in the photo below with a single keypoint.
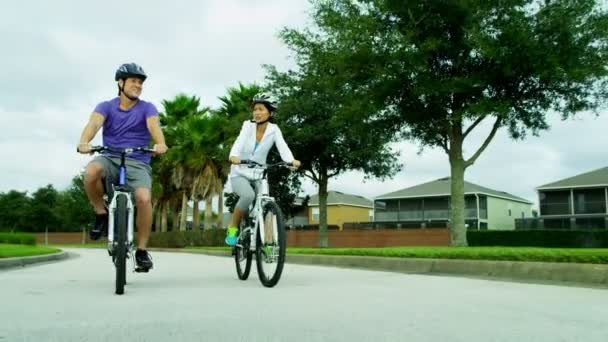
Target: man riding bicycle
[{"x": 127, "y": 121}]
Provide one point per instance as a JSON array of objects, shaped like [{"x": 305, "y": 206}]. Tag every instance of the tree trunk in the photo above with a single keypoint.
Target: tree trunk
[
  {"x": 220, "y": 209},
  {"x": 174, "y": 216},
  {"x": 157, "y": 207},
  {"x": 184, "y": 217},
  {"x": 208, "y": 211},
  {"x": 196, "y": 217},
  {"x": 323, "y": 236},
  {"x": 163, "y": 224},
  {"x": 458, "y": 231}
]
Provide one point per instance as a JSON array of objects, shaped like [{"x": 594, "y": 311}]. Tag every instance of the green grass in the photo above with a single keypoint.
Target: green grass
[
  {"x": 18, "y": 238},
  {"x": 573, "y": 255},
  {"x": 10, "y": 250}
]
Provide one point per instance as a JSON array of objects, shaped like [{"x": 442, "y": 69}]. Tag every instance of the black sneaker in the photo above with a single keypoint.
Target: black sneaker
[
  {"x": 143, "y": 261},
  {"x": 100, "y": 227}
]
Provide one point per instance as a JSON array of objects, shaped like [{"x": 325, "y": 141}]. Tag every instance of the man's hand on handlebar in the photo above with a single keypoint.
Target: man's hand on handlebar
[
  {"x": 84, "y": 148},
  {"x": 160, "y": 149}
]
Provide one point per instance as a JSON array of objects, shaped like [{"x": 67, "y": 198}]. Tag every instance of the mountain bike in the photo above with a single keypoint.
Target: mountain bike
[
  {"x": 118, "y": 199},
  {"x": 262, "y": 232}
]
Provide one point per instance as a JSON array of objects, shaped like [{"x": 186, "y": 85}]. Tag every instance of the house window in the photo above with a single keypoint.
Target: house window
[
  {"x": 509, "y": 212},
  {"x": 315, "y": 214},
  {"x": 555, "y": 203},
  {"x": 483, "y": 207},
  {"x": 589, "y": 201}
]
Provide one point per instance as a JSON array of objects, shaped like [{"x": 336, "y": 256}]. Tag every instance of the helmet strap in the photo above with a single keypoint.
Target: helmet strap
[{"x": 121, "y": 89}]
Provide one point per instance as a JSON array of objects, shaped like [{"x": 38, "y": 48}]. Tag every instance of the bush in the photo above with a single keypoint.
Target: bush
[
  {"x": 18, "y": 238},
  {"x": 196, "y": 238},
  {"x": 539, "y": 238}
]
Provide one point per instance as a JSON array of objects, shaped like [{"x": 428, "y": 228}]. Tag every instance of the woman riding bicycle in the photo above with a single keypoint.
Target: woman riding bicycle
[{"x": 254, "y": 142}]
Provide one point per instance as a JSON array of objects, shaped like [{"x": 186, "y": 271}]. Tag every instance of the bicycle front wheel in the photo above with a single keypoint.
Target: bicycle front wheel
[
  {"x": 120, "y": 243},
  {"x": 270, "y": 253}
]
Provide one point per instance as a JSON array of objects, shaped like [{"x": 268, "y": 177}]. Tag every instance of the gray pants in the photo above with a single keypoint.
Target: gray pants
[
  {"x": 138, "y": 173},
  {"x": 246, "y": 190}
]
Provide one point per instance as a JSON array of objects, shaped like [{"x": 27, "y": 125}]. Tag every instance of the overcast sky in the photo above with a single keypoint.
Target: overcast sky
[{"x": 59, "y": 58}]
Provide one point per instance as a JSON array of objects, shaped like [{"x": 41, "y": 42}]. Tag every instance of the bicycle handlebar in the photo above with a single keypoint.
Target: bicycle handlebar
[
  {"x": 253, "y": 163},
  {"x": 119, "y": 150}
]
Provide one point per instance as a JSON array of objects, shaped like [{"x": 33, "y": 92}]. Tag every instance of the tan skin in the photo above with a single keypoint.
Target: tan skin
[
  {"x": 94, "y": 173},
  {"x": 260, "y": 114}
]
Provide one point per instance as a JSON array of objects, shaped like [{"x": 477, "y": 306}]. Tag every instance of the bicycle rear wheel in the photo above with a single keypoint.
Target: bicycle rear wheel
[
  {"x": 120, "y": 243},
  {"x": 270, "y": 255}
]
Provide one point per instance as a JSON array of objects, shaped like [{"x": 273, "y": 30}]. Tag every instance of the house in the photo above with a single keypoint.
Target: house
[
  {"x": 428, "y": 205},
  {"x": 341, "y": 208},
  {"x": 575, "y": 202},
  {"x": 300, "y": 215}
]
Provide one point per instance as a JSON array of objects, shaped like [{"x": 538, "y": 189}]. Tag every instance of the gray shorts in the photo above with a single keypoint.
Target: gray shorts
[{"x": 138, "y": 173}]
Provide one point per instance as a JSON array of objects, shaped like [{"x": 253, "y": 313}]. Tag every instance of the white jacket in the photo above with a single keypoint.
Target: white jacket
[{"x": 244, "y": 145}]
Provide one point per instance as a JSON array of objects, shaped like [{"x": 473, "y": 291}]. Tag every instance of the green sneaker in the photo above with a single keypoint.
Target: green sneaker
[
  {"x": 231, "y": 236},
  {"x": 269, "y": 251}
]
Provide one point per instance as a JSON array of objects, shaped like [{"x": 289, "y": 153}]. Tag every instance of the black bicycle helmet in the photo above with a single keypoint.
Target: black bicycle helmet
[{"x": 130, "y": 70}]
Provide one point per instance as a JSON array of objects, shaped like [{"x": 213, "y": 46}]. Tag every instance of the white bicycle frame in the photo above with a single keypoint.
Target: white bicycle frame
[
  {"x": 257, "y": 212},
  {"x": 117, "y": 191}
]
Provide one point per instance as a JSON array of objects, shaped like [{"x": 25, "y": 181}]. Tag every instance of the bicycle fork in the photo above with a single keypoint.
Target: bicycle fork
[{"x": 111, "y": 219}]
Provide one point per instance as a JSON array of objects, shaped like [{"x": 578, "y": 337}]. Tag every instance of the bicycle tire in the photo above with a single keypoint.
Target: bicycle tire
[
  {"x": 243, "y": 273},
  {"x": 265, "y": 279},
  {"x": 120, "y": 251}
]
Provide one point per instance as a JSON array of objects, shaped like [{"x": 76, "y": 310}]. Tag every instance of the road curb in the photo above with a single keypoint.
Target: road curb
[
  {"x": 6, "y": 263},
  {"x": 528, "y": 271},
  {"x": 572, "y": 273}
]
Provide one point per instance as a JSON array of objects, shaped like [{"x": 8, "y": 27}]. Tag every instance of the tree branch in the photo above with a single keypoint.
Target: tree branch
[
  {"x": 443, "y": 142},
  {"x": 480, "y": 119},
  {"x": 333, "y": 174},
  {"x": 485, "y": 144},
  {"x": 312, "y": 176}
]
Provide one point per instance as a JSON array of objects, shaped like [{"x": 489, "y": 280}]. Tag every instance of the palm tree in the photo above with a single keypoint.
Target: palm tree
[
  {"x": 197, "y": 156},
  {"x": 175, "y": 178},
  {"x": 206, "y": 160}
]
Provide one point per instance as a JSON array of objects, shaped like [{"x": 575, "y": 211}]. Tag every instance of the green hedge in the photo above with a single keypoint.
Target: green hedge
[
  {"x": 539, "y": 238},
  {"x": 179, "y": 239},
  {"x": 18, "y": 239}
]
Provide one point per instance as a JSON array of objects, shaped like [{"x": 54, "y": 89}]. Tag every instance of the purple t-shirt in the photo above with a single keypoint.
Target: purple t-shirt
[{"x": 127, "y": 128}]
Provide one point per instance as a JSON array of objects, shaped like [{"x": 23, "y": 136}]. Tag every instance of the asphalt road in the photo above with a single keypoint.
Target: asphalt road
[{"x": 191, "y": 297}]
